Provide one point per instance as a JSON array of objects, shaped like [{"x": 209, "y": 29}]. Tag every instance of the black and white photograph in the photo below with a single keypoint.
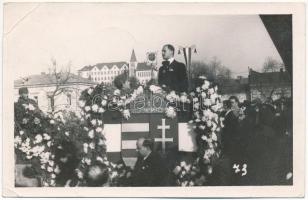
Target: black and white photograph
[{"x": 160, "y": 95}]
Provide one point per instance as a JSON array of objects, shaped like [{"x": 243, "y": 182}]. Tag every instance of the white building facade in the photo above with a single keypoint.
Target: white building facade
[
  {"x": 103, "y": 72},
  {"x": 106, "y": 72},
  {"x": 41, "y": 87}
]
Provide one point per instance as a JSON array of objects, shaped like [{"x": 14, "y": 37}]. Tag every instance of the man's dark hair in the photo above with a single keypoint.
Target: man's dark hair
[
  {"x": 98, "y": 179},
  {"x": 235, "y": 98},
  {"x": 148, "y": 143},
  {"x": 170, "y": 47}
]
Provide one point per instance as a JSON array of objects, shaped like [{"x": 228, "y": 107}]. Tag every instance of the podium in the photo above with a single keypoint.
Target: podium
[{"x": 171, "y": 136}]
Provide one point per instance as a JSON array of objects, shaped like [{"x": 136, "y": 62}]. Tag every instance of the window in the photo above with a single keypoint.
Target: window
[
  {"x": 51, "y": 103},
  {"x": 36, "y": 99},
  {"x": 69, "y": 99}
]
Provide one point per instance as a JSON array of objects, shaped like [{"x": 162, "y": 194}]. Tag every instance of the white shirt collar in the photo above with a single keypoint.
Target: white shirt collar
[
  {"x": 147, "y": 156},
  {"x": 171, "y": 60}
]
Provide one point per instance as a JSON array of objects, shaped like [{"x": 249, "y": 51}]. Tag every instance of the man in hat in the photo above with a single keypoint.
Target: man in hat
[
  {"x": 22, "y": 101},
  {"x": 24, "y": 97},
  {"x": 172, "y": 75}
]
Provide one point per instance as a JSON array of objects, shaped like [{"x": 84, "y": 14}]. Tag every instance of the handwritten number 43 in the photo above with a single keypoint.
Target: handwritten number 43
[{"x": 237, "y": 169}]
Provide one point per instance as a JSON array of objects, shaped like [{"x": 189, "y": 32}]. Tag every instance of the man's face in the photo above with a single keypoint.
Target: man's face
[
  {"x": 24, "y": 95},
  {"x": 234, "y": 103},
  {"x": 167, "y": 53},
  {"x": 142, "y": 151}
]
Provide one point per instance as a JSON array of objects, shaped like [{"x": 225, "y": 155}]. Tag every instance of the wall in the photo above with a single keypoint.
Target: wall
[{"x": 61, "y": 101}]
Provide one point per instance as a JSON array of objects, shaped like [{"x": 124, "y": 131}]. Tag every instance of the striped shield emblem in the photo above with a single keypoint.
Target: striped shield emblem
[
  {"x": 163, "y": 131},
  {"x": 136, "y": 127}
]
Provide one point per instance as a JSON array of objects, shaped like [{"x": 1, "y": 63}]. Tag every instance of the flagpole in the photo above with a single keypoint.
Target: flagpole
[{"x": 187, "y": 52}]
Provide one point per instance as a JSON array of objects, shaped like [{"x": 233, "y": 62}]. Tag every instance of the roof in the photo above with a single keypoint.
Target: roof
[
  {"x": 86, "y": 68},
  {"x": 143, "y": 67},
  {"x": 133, "y": 57},
  {"x": 281, "y": 77},
  {"x": 47, "y": 79},
  {"x": 101, "y": 65},
  {"x": 233, "y": 86}
]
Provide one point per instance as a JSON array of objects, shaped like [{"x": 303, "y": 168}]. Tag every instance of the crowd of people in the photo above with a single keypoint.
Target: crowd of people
[{"x": 257, "y": 142}]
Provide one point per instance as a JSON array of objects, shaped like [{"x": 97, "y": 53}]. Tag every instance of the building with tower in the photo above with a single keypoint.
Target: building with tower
[
  {"x": 106, "y": 72},
  {"x": 132, "y": 64}
]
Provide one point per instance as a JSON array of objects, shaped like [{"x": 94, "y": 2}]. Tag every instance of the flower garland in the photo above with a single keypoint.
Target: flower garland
[
  {"x": 206, "y": 105},
  {"x": 173, "y": 100}
]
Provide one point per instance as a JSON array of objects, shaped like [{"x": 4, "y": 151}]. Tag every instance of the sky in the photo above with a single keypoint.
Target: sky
[{"x": 86, "y": 34}]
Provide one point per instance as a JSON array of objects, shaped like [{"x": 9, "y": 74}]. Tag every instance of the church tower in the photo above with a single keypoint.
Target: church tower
[{"x": 132, "y": 64}]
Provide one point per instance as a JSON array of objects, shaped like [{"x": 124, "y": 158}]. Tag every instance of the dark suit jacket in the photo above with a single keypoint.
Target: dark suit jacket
[
  {"x": 174, "y": 76},
  {"x": 230, "y": 132},
  {"x": 149, "y": 172}
]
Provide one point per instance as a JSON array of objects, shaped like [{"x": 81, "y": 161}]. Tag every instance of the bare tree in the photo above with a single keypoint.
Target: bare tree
[
  {"x": 60, "y": 77},
  {"x": 271, "y": 65},
  {"x": 213, "y": 70}
]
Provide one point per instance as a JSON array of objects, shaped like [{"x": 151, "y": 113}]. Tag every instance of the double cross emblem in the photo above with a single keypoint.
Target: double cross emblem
[{"x": 163, "y": 127}]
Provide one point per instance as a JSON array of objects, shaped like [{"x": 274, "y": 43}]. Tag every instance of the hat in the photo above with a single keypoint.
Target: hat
[{"x": 23, "y": 90}]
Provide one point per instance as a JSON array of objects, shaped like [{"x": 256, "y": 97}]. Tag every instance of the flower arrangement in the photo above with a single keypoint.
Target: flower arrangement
[
  {"x": 191, "y": 174},
  {"x": 206, "y": 105},
  {"x": 35, "y": 141},
  {"x": 173, "y": 100},
  {"x": 119, "y": 174},
  {"x": 95, "y": 101}
]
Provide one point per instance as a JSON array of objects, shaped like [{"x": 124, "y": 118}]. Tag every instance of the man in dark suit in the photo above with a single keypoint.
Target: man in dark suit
[
  {"x": 172, "y": 75},
  {"x": 230, "y": 130},
  {"x": 149, "y": 169}
]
